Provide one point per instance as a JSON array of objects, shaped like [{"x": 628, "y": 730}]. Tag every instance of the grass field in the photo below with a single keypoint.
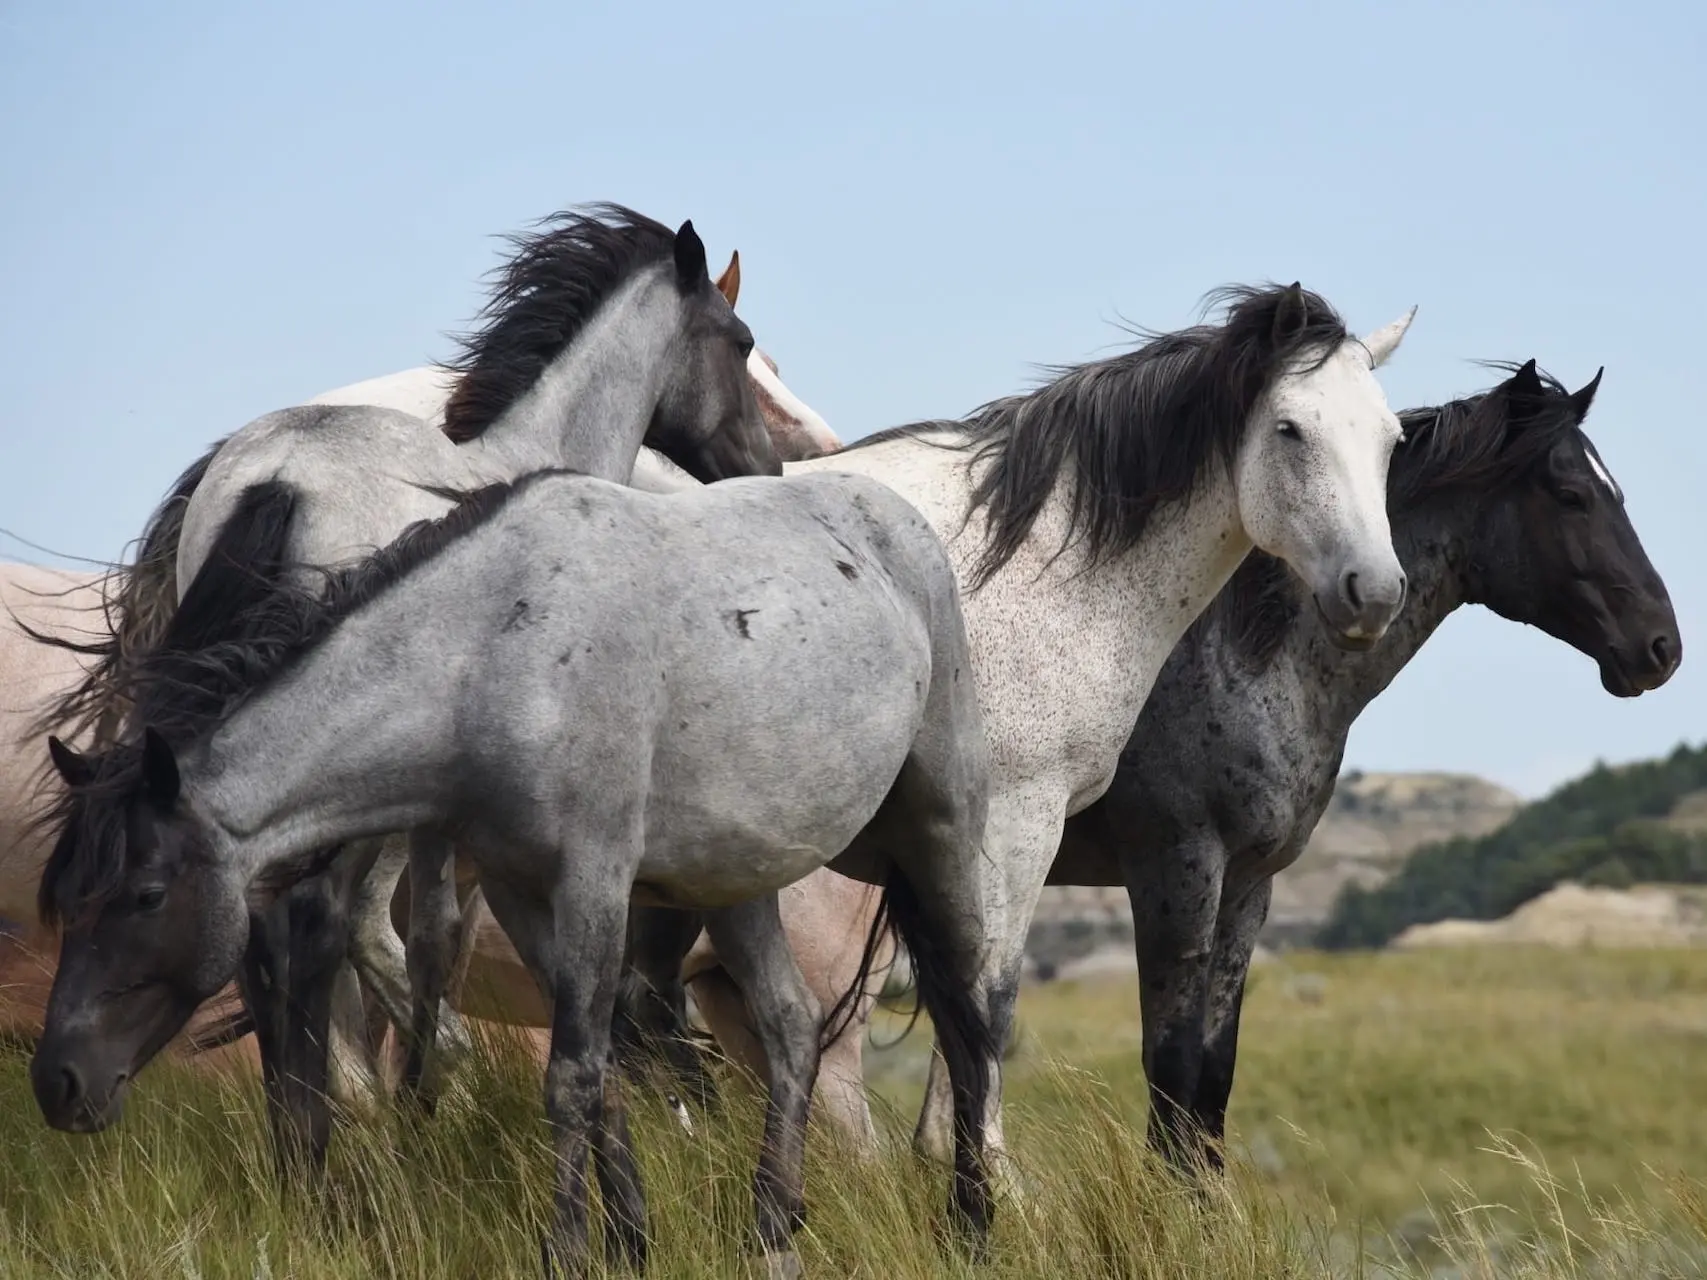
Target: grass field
[{"x": 1455, "y": 1113}]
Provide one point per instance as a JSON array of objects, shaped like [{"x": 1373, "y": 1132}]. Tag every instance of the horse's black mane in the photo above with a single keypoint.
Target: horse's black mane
[
  {"x": 540, "y": 300},
  {"x": 1136, "y": 431},
  {"x": 1478, "y": 444},
  {"x": 246, "y": 619}
]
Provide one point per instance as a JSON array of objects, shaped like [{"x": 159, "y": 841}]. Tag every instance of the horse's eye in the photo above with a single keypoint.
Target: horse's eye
[
  {"x": 1572, "y": 500},
  {"x": 151, "y": 899},
  {"x": 1289, "y": 429}
]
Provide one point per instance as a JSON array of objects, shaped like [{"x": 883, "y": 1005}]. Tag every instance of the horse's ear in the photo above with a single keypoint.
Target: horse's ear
[
  {"x": 690, "y": 256},
  {"x": 729, "y": 283},
  {"x": 1385, "y": 341},
  {"x": 1291, "y": 316},
  {"x": 160, "y": 781},
  {"x": 1582, "y": 400},
  {"x": 73, "y": 766},
  {"x": 1524, "y": 387}
]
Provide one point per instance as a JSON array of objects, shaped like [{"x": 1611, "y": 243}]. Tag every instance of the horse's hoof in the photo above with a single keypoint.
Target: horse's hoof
[
  {"x": 679, "y": 1109},
  {"x": 558, "y": 1263},
  {"x": 777, "y": 1266}
]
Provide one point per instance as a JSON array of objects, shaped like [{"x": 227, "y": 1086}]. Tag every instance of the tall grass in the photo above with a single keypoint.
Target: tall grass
[{"x": 1356, "y": 1156}]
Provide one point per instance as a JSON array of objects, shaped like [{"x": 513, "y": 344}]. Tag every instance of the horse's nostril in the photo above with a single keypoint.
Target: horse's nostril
[
  {"x": 1348, "y": 586},
  {"x": 1662, "y": 651},
  {"x": 70, "y": 1087}
]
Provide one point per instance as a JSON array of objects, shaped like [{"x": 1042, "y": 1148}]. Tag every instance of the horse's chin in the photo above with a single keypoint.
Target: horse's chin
[
  {"x": 92, "y": 1117},
  {"x": 1620, "y": 684},
  {"x": 1340, "y": 638}
]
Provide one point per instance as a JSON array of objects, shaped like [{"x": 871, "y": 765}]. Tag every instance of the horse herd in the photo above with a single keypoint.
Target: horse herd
[{"x": 514, "y": 663}]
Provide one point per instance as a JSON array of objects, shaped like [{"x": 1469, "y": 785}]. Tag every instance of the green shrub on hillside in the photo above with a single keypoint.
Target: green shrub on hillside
[{"x": 1600, "y": 828}]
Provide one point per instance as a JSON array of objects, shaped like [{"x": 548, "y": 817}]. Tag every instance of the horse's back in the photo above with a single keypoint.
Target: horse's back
[
  {"x": 421, "y": 392},
  {"x": 703, "y": 647},
  {"x": 361, "y": 473}
]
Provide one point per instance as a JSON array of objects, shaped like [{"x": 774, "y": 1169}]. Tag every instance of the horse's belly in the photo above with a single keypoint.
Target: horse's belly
[
  {"x": 714, "y": 849},
  {"x": 717, "y": 878}
]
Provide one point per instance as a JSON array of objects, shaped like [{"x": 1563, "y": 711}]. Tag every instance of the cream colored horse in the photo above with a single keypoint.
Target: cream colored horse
[{"x": 31, "y": 674}]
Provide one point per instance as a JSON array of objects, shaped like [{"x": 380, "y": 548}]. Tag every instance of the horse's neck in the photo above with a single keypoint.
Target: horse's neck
[
  {"x": 1431, "y": 549},
  {"x": 1144, "y": 600},
  {"x": 590, "y": 409},
  {"x": 1092, "y": 639},
  {"x": 293, "y": 769}
]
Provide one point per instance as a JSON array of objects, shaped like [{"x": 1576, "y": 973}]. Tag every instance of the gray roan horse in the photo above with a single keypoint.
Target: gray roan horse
[
  {"x": 604, "y": 331},
  {"x": 600, "y": 693},
  {"x": 1499, "y": 500},
  {"x": 1092, "y": 520}
]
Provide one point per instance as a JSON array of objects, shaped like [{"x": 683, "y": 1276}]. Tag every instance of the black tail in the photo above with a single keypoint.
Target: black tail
[
  {"x": 841, "y": 1014},
  {"x": 242, "y": 570},
  {"x": 963, "y": 1034},
  {"x": 140, "y": 600}
]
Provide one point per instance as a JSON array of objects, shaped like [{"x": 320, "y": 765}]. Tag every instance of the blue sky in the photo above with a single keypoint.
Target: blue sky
[{"x": 213, "y": 210}]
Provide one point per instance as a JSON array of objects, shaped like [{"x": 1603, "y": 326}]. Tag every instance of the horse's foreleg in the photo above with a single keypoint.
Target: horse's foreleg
[
  {"x": 1020, "y": 840},
  {"x": 1175, "y": 901},
  {"x": 1236, "y": 939},
  {"x": 289, "y": 981},
  {"x": 435, "y": 930},
  {"x": 751, "y": 944}
]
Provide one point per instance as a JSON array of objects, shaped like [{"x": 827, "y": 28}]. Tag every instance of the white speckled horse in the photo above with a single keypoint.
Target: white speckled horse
[{"x": 1092, "y": 520}]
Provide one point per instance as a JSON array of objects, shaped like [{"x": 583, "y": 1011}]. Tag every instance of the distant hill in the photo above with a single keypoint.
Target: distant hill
[
  {"x": 1372, "y": 825},
  {"x": 1575, "y": 915},
  {"x": 1614, "y": 827}
]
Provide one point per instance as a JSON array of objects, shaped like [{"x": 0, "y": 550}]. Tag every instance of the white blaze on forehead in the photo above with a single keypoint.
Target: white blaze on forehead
[
  {"x": 1600, "y": 472},
  {"x": 788, "y": 404}
]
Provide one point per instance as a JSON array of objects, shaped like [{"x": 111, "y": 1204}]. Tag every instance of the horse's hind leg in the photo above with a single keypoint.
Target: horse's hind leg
[
  {"x": 933, "y": 826},
  {"x": 620, "y": 1190},
  {"x": 752, "y": 946},
  {"x": 651, "y": 1008}
]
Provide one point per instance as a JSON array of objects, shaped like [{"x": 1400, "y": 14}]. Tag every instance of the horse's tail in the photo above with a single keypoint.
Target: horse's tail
[
  {"x": 139, "y": 600},
  {"x": 963, "y": 1030},
  {"x": 963, "y": 1035},
  {"x": 841, "y": 1015}
]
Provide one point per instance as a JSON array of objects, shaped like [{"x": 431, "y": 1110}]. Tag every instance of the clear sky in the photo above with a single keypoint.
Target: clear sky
[{"x": 211, "y": 210}]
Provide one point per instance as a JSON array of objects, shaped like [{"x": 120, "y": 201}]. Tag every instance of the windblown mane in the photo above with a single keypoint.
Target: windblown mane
[
  {"x": 540, "y": 300},
  {"x": 1474, "y": 444},
  {"x": 1136, "y": 431},
  {"x": 245, "y": 620},
  {"x": 138, "y": 600}
]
